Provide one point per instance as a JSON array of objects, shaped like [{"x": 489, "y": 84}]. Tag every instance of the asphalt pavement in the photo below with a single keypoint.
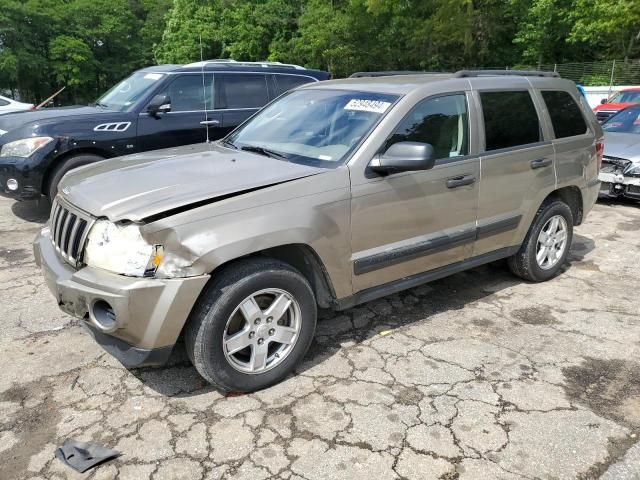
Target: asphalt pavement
[{"x": 477, "y": 376}]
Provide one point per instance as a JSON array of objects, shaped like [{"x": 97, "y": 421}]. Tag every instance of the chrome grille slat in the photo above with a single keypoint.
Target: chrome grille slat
[
  {"x": 54, "y": 219},
  {"x": 83, "y": 241},
  {"x": 70, "y": 251},
  {"x": 61, "y": 220},
  {"x": 69, "y": 230},
  {"x": 70, "y": 217}
]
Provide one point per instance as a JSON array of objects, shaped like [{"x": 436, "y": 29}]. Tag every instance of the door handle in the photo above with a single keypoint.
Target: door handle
[
  {"x": 541, "y": 162},
  {"x": 210, "y": 122},
  {"x": 460, "y": 181}
]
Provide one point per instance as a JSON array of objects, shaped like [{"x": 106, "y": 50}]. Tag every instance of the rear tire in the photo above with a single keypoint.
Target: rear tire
[
  {"x": 67, "y": 165},
  {"x": 252, "y": 325},
  {"x": 546, "y": 246}
]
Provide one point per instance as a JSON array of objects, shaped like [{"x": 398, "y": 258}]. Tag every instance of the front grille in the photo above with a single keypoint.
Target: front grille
[
  {"x": 603, "y": 115},
  {"x": 69, "y": 230}
]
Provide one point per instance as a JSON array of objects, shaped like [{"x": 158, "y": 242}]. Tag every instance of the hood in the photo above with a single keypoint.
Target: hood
[
  {"x": 622, "y": 145},
  {"x": 612, "y": 106},
  {"x": 14, "y": 120},
  {"x": 139, "y": 186}
]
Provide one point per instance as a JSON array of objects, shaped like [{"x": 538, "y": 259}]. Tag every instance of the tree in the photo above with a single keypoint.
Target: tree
[
  {"x": 73, "y": 62},
  {"x": 613, "y": 26},
  {"x": 190, "y": 25},
  {"x": 249, "y": 28}
]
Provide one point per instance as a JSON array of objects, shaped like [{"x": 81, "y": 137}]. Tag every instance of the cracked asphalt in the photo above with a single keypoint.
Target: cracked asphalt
[{"x": 477, "y": 376}]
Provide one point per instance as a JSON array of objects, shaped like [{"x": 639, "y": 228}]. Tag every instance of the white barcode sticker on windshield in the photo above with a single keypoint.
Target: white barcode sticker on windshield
[
  {"x": 375, "y": 106},
  {"x": 153, "y": 76}
]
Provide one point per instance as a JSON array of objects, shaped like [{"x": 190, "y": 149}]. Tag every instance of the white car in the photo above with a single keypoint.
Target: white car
[{"x": 8, "y": 105}]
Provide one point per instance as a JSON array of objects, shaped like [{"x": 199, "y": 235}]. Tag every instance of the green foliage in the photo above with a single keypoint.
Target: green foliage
[
  {"x": 88, "y": 45},
  {"x": 188, "y": 22},
  {"x": 72, "y": 60},
  {"x": 613, "y": 25}
]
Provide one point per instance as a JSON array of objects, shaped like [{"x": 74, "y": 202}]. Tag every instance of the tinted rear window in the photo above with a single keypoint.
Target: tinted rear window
[
  {"x": 245, "y": 90},
  {"x": 566, "y": 117},
  {"x": 287, "y": 82},
  {"x": 510, "y": 119}
]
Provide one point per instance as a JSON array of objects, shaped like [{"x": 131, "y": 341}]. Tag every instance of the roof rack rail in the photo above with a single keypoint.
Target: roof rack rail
[
  {"x": 235, "y": 63},
  {"x": 493, "y": 73},
  {"x": 392, "y": 73}
]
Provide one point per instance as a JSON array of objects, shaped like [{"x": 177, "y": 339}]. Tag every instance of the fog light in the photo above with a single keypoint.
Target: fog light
[
  {"x": 103, "y": 315},
  {"x": 12, "y": 184}
]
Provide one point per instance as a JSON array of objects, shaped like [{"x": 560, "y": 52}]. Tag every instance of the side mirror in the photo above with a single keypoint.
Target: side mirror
[
  {"x": 603, "y": 101},
  {"x": 404, "y": 157},
  {"x": 159, "y": 104}
]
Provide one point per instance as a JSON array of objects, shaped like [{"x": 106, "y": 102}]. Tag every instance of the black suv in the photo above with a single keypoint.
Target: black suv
[{"x": 156, "y": 107}]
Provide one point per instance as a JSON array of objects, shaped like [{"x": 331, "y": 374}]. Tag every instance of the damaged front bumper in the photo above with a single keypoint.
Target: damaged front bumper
[
  {"x": 619, "y": 185},
  {"x": 137, "y": 320}
]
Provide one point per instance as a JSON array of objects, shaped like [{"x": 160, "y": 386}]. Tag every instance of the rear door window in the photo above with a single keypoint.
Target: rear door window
[
  {"x": 244, "y": 90},
  {"x": 510, "y": 119},
  {"x": 566, "y": 117},
  {"x": 287, "y": 82},
  {"x": 3, "y": 103}
]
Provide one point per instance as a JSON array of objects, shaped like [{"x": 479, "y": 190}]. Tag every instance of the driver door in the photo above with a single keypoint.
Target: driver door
[
  {"x": 185, "y": 123},
  {"x": 411, "y": 222}
]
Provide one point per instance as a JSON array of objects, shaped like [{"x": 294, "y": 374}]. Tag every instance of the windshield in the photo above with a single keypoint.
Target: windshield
[
  {"x": 312, "y": 126},
  {"x": 129, "y": 91},
  {"x": 625, "y": 121},
  {"x": 626, "y": 97}
]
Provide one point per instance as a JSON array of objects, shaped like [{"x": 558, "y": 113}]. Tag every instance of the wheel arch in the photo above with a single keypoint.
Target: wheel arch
[
  {"x": 572, "y": 196},
  {"x": 303, "y": 258}
]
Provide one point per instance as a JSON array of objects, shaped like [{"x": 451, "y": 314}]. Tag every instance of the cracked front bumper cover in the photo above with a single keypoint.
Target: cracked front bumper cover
[
  {"x": 149, "y": 313},
  {"x": 617, "y": 184}
]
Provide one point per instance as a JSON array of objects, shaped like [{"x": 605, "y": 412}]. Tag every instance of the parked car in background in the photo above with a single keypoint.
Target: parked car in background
[
  {"x": 620, "y": 100},
  {"x": 620, "y": 172},
  {"x": 156, "y": 107},
  {"x": 8, "y": 105},
  {"x": 336, "y": 194}
]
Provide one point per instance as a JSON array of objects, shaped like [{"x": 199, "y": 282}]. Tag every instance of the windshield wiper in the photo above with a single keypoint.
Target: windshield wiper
[
  {"x": 228, "y": 143},
  {"x": 263, "y": 151},
  {"x": 101, "y": 105}
]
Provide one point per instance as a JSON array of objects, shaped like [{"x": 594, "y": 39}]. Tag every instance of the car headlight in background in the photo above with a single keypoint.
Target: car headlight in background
[
  {"x": 121, "y": 249},
  {"x": 633, "y": 170},
  {"x": 24, "y": 147}
]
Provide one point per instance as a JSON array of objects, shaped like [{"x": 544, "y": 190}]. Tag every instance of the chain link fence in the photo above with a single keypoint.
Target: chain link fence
[{"x": 611, "y": 72}]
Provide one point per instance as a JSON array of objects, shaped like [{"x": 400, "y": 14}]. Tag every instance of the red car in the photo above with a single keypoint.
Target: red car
[{"x": 622, "y": 99}]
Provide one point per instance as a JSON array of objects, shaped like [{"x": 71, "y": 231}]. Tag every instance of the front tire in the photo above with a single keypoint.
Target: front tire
[
  {"x": 62, "y": 169},
  {"x": 546, "y": 246},
  {"x": 252, "y": 325}
]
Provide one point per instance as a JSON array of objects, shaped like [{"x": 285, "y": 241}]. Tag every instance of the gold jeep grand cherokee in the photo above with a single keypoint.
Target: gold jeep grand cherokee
[{"x": 337, "y": 193}]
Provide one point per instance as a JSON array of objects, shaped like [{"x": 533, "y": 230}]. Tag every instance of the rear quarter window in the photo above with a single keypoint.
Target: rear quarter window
[
  {"x": 285, "y": 83},
  {"x": 566, "y": 117},
  {"x": 510, "y": 119}
]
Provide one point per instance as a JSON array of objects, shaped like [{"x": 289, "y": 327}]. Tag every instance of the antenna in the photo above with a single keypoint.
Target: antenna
[{"x": 204, "y": 93}]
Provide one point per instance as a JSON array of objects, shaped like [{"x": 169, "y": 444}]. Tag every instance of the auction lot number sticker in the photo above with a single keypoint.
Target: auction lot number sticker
[{"x": 375, "y": 106}]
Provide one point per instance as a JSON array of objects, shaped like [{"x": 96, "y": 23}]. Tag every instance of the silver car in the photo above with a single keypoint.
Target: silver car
[
  {"x": 335, "y": 194},
  {"x": 620, "y": 172}
]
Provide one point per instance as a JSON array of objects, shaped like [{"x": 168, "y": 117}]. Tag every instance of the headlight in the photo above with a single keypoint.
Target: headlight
[
  {"x": 121, "y": 249},
  {"x": 24, "y": 147},
  {"x": 633, "y": 170}
]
